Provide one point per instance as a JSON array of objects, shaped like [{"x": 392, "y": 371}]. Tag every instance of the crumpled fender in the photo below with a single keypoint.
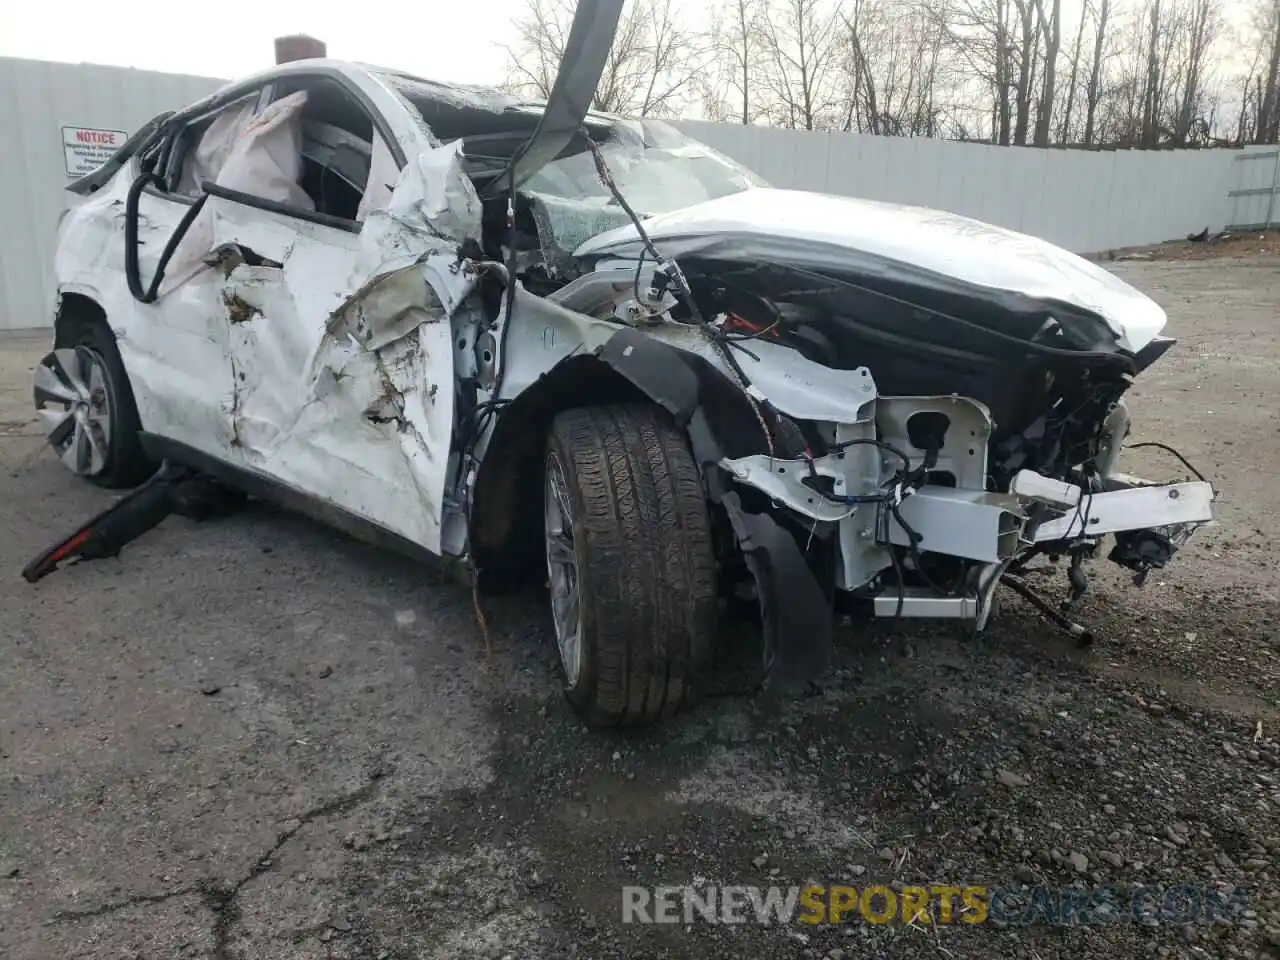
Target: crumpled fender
[{"x": 796, "y": 612}]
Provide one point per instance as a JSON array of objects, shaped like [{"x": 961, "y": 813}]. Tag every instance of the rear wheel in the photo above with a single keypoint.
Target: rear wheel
[
  {"x": 630, "y": 563},
  {"x": 83, "y": 396}
]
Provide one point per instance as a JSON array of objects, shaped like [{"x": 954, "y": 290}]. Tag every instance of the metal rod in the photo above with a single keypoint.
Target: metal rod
[
  {"x": 1271, "y": 200},
  {"x": 1082, "y": 635}
]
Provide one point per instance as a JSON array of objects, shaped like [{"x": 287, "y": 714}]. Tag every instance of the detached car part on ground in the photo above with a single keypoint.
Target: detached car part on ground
[{"x": 539, "y": 341}]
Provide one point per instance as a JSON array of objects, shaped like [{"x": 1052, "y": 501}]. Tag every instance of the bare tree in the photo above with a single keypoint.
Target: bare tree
[
  {"x": 981, "y": 36},
  {"x": 541, "y": 31},
  {"x": 893, "y": 62},
  {"x": 1159, "y": 93},
  {"x": 1093, "y": 91},
  {"x": 798, "y": 40},
  {"x": 736, "y": 49},
  {"x": 1066, "y": 113},
  {"x": 1152, "y": 91},
  {"x": 1200, "y": 24},
  {"x": 1267, "y": 38},
  {"x": 1051, "y": 31},
  {"x": 1123, "y": 72},
  {"x": 651, "y": 69}
]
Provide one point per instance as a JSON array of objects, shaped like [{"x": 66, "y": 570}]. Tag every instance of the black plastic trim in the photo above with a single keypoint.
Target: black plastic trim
[
  {"x": 273, "y": 206},
  {"x": 1153, "y": 351}
]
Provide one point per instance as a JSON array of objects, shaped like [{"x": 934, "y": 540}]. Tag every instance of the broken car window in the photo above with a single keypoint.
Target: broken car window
[
  {"x": 206, "y": 143},
  {"x": 337, "y": 148},
  {"x": 656, "y": 168}
]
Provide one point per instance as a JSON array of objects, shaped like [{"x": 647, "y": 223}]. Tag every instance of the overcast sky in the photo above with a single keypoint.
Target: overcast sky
[
  {"x": 230, "y": 40},
  {"x": 457, "y": 40}
]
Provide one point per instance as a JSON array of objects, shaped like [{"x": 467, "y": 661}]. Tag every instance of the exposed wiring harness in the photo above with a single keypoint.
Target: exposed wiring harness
[
  {"x": 1164, "y": 446},
  {"x": 511, "y": 283},
  {"x": 669, "y": 274},
  {"x": 900, "y": 485}
]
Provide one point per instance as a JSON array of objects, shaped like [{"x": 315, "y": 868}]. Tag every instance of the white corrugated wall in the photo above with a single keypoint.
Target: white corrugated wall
[
  {"x": 1086, "y": 201},
  {"x": 1257, "y": 174},
  {"x": 37, "y": 99}
]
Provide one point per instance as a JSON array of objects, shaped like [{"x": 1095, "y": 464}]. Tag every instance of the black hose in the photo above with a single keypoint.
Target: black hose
[
  {"x": 1081, "y": 634},
  {"x": 1168, "y": 449},
  {"x": 867, "y": 441},
  {"x": 132, "y": 270}
]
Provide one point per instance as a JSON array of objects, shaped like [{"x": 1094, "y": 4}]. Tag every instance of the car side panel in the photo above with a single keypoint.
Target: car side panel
[
  {"x": 366, "y": 429},
  {"x": 174, "y": 350}
]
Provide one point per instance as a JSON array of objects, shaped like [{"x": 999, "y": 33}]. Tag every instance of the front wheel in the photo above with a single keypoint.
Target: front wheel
[
  {"x": 630, "y": 563},
  {"x": 83, "y": 396}
]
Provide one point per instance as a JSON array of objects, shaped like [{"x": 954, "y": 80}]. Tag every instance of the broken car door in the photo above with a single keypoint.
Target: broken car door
[
  {"x": 172, "y": 337},
  {"x": 363, "y": 425}
]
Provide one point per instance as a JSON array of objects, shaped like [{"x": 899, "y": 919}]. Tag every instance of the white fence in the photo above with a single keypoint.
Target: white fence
[
  {"x": 1086, "y": 201},
  {"x": 1253, "y": 200},
  {"x": 37, "y": 99}
]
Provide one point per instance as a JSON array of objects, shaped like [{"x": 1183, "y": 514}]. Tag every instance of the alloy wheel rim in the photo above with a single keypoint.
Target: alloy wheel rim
[
  {"x": 562, "y": 569},
  {"x": 73, "y": 401}
]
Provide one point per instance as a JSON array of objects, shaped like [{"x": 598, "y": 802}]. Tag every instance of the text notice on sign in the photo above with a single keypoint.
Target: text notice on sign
[{"x": 85, "y": 148}]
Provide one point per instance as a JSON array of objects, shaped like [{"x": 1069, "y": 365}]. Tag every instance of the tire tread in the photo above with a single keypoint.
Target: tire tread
[{"x": 647, "y": 571}]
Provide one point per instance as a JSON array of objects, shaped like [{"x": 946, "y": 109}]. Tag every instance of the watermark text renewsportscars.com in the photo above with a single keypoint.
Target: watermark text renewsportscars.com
[{"x": 967, "y": 904}]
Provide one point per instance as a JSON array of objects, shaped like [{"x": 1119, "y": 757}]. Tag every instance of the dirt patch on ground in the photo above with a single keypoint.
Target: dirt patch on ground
[
  {"x": 255, "y": 738},
  {"x": 1213, "y": 246}
]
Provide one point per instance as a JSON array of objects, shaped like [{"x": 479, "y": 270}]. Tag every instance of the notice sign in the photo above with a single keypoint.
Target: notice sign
[{"x": 86, "y": 148}]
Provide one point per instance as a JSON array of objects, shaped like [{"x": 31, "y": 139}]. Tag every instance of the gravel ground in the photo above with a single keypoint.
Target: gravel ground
[{"x": 257, "y": 739}]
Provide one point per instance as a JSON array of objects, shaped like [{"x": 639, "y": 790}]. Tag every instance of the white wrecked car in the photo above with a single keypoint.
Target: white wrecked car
[{"x": 547, "y": 342}]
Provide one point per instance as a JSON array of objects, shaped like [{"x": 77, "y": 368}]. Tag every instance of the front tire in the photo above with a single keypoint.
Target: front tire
[
  {"x": 630, "y": 563},
  {"x": 84, "y": 398}
]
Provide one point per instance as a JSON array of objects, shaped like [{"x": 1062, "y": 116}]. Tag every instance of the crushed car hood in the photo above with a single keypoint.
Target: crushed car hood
[{"x": 938, "y": 249}]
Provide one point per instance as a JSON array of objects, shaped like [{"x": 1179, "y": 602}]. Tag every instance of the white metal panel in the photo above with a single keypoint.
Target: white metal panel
[
  {"x": 37, "y": 99},
  {"x": 1249, "y": 190},
  {"x": 1085, "y": 200}
]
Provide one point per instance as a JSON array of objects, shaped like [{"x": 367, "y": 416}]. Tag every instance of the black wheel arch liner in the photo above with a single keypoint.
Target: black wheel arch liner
[{"x": 796, "y": 610}]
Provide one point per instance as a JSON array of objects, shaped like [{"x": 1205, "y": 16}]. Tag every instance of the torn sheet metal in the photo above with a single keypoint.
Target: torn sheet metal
[
  {"x": 359, "y": 409},
  {"x": 358, "y": 412},
  {"x": 433, "y": 208},
  {"x": 381, "y": 183},
  {"x": 791, "y": 382},
  {"x": 336, "y": 346}
]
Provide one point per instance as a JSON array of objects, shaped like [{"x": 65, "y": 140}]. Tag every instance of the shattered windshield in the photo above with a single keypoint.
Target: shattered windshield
[{"x": 657, "y": 169}]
